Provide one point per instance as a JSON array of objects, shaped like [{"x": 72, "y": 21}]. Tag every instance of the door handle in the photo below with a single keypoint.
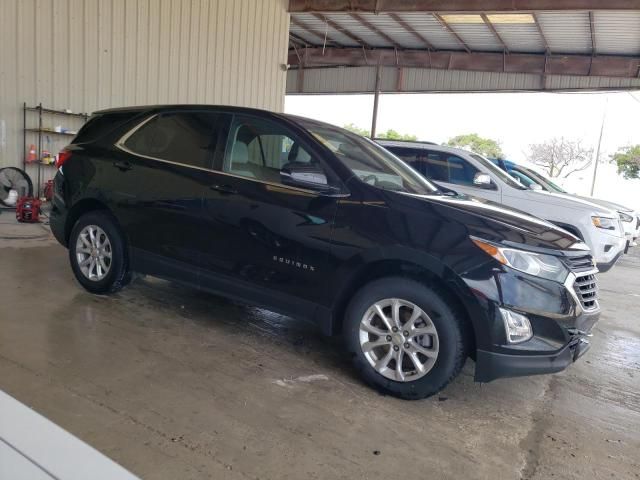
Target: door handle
[
  {"x": 122, "y": 165},
  {"x": 224, "y": 189}
]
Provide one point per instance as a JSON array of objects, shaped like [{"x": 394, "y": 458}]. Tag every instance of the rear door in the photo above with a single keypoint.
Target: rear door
[
  {"x": 449, "y": 170},
  {"x": 158, "y": 187},
  {"x": 270, "y": 241}
]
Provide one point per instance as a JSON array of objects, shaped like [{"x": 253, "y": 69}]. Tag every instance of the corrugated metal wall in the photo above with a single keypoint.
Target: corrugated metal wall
[
  {"x": 362, "y": 80},
  {"x": 85, "y": 55}
]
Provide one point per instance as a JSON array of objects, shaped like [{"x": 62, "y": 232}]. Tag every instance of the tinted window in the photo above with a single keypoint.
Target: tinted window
[
  {"x": 259, "y": 149},
  {"x": 438, "y": 166},
  {"x": 100, "y": 124},
  {"x": 186, "y": 137}
]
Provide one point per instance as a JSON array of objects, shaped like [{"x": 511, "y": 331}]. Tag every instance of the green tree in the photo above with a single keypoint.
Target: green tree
[
  {"x": 628, "y": 161},
  {"x": 391, "y": 134},
  {"x": 355, "y": 129},
  {"x": 474, "y": 142}
]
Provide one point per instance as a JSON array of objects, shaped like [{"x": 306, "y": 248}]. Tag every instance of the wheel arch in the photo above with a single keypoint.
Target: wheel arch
[
  {"x": 80, "y": 208},
  {"x": 430, "y": 272}
]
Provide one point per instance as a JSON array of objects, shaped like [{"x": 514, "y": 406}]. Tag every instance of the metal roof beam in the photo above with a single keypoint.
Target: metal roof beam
[
  {"x": 384, "y": 6},
  {"x": 448, "y": 28},
  {"x": 297, "y": 40},
  {"x": 373, "y": 28},
  {"x": 584, "y": 65},
  {"x": 592, "y": 29},
  {"x": 488, "y": 23},
  {"x": 337, "y": 27},
  {"x": 542, "y": 35},
  {"x": 311, "y": 30},
  {"x": 411, "y": 30}
]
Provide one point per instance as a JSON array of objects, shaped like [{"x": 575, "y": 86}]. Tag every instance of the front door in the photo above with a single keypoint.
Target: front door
[{"x": 269, "y": 239}]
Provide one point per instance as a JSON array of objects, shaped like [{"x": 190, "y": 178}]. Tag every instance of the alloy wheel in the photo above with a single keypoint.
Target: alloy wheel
[
  {"x": 399, "y": 340},
  {"x": 93, "y": 253}
]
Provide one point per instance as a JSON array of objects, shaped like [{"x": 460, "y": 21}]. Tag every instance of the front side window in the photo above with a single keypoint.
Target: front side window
[
  {"x": 263, "y": 150},
  {"x": 369, "y": 161},
  {"x": 183, "y": 137}
]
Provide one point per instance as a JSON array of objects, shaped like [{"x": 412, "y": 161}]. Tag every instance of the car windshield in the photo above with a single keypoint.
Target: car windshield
[
  {"x": 544, "y": 182},
  {"x": 498, "y": 172},
  {"x": 370, "y": 162}
]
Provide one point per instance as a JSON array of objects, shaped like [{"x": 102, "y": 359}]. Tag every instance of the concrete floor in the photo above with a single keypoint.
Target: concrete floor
[{"x": 172, "y": 383}]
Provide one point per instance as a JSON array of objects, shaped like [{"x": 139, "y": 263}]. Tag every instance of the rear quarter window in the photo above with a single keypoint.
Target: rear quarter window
[
  {"x": 100, "y": 124},
  {"x": 186, "y": 138}
]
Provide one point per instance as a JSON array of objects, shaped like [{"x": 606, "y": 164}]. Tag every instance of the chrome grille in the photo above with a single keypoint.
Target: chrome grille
[{"x": 586, "y": 287}]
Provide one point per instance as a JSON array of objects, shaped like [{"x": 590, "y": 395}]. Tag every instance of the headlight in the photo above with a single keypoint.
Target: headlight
[
  {"x": 540, "y": 265},
  {"x": 625, "y": 217},
  {"x": 604, "y": 223}
]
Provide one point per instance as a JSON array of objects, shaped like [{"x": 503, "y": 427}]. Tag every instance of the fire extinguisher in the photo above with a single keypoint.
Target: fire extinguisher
[{"x": 32, "y": 156}]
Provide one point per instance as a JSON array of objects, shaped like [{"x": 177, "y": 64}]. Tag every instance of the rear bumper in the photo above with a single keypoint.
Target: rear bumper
[
  {"x": 58, "y": 214},
  {"x": 57, "y": 222},
  {"x": 492, "y": 365}
]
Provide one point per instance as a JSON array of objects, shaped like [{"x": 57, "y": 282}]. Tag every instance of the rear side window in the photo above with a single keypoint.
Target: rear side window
[{"x": 184, "y": 137}]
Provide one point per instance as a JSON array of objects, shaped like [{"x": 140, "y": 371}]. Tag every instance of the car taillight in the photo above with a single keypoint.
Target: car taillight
[{"x": 63, "y": 156}]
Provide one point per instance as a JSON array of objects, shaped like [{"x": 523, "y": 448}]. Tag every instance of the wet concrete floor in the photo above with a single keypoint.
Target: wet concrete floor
[{"x": 173, "y": 383}]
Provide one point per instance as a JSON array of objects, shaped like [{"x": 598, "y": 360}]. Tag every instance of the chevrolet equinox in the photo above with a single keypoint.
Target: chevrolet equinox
[{"x": 310, "y": 220}]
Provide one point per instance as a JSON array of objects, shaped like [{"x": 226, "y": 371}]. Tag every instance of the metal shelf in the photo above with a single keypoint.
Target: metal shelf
[
  {"x": 49, "y": 131},
  {"x": 40, "y": 131},
  {"x": 56, "y": 112}
]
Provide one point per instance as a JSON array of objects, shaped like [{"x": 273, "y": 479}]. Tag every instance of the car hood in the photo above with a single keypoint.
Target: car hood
[
  {"x": 607, "y": 204},
  {"x": 495, "y": 222},
  {"x": 571, "y": 201}
]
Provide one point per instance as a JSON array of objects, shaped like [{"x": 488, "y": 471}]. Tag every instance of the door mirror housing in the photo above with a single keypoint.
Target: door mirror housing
[
  {"x": 304, "y": 175},
  {"x": 535, "y": 186},
  {"x": 483, "y": 180}
]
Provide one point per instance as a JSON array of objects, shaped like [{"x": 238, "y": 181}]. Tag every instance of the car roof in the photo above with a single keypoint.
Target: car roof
[
  {"x": 225, "y": 108},
  {"x": 193, "y": 106},
  {"x": 422, "y": 146}
]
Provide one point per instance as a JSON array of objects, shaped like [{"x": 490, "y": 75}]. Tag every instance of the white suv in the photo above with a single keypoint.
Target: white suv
[
  {"x": 471, "y": 174},
  {"x": 532, "y": 179}
]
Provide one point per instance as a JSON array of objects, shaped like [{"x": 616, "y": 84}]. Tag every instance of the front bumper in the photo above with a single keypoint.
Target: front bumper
[
  {"x": 606, "y": 266},
  {"x": 561, "y": 316},
  {"x": 492, "y": 365}
]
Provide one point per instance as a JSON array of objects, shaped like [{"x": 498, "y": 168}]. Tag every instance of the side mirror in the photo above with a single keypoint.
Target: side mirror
[
  {"x": 482, "y": 180},
  {"x": 535, "y": 186},
  {"x": 304, "y": 176}
]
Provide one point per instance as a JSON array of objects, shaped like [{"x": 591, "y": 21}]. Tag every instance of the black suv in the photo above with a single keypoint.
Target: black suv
[{"x": 314, "y": 221}]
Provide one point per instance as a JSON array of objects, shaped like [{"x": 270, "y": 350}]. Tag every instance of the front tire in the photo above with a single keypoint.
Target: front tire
[
  {"x": 97, "y": 253},
  {"x": 405, "y": 338}
]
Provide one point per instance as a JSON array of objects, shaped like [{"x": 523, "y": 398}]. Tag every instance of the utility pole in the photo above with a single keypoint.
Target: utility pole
[
  {"x": 595, "y": 168},
  {"x": 376, "y": 98}
]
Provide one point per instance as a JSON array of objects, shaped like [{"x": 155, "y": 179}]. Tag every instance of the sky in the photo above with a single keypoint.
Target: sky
[{"x": 516, "y": 120}]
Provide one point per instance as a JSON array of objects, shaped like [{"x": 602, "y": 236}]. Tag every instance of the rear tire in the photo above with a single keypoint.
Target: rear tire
[
  {"x": 426, "y": 335},
  {"x": 97, "y": 252}
]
